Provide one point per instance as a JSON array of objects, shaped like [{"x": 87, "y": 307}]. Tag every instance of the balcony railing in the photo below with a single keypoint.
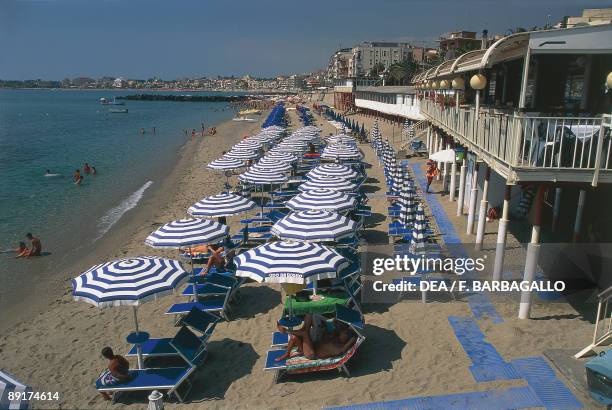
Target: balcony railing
[{"x": 529, "y": 141}]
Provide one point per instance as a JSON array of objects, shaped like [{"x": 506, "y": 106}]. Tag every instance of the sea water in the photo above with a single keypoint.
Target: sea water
[{"x": 60, "y": 130}]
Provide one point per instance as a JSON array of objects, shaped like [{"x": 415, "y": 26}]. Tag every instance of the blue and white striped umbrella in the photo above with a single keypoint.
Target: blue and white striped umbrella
[
  {"x": 9, "y": 384},
  {"x": 328, "y": 182},
  {"x": 247, "y": 145},
  {"x": 291, "y": 146},
  {"x": 407, "y": 203},
  {"x": 342, "y": 139},
  {"x": 419, "y": 236},
  {"x": 280, "y": 156},
  {"x": 272, "y": 165},
  {"x": 289, "y": 262},
  {"x": 224, "y": 204},
  {"x": 242, "y": 154},
  {"x": 262, "y": 177},
  {"x": 314, "y": 226},
  {"x": 323, "y": 200},
  {"x": 342, "y": 152},
  {"x": 225, "y": 164},
  {"x": 335, "y": 170},
  {"x": 187, "y": 232},
  {"x": 128, "y": 281}
]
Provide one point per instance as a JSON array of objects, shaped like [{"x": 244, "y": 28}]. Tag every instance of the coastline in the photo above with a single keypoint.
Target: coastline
[{"x": 155, "y": 206}]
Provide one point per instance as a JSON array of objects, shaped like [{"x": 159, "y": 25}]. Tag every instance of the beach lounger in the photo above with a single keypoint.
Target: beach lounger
[
  {"x": 200, "y": 321},
  {"x": 298, "y": 364},
  {"x": 168, "y": 379},
  {"x": 279, "y": 339},
  {"x": 213, "y": 304}
]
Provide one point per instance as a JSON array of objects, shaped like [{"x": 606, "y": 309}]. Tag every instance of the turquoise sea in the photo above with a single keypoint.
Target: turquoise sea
[{"x": 60, "y": 130}]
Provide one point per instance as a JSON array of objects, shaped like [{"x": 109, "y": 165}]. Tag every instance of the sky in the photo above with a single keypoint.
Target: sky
[{"x": 56, "y": 39}]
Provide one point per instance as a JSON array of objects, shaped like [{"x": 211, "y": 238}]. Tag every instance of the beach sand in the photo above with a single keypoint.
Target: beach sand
[{"x": 410, "y": 348}]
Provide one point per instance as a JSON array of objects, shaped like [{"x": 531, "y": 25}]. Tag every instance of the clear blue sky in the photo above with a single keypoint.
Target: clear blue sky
[{"x": 54, "y": 39}]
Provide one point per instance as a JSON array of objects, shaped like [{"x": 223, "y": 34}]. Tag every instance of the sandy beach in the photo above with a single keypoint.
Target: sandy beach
[{"x": 410, "y": 349}]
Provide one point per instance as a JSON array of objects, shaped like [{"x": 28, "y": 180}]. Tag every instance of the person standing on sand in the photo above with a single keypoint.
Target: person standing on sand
[
  {"x": 193, "y": 133},
  {"x": 36, "y": 245},
  {"x": 432, "y": 171}
]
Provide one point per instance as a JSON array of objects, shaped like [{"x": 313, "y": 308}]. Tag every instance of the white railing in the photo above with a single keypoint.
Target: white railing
[{"x": 529, "y": 141}]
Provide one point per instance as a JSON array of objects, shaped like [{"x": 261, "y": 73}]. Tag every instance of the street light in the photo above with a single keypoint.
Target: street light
[{"x": 478, "y": 82}]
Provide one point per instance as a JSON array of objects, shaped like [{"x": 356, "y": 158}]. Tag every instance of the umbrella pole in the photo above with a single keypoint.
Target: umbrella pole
[
  {"x": 138, "y": 345},
  {"x": 195, "y": 284}
]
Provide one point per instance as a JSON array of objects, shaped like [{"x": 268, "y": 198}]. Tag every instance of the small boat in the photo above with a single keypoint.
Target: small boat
[
  {"x": 244, "y": 119},
  {"x": 106, "y": 101},
  {"x": 118, "y": 110}
]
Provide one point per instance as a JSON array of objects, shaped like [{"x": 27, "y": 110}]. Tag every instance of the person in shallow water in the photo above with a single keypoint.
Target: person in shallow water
[
  {"x": 86, "y": 168},
  {"x": 117, "y": 371},
  {"x": 36, "y": 245},
  {"x": 22, "y": 250},
  {"x": 78, "y": 178}
]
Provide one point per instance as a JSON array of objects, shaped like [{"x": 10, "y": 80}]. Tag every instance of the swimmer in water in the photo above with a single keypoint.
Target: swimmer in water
[
  {"x": 77, "y": 177},
  {"x": 93, "y": 171}
]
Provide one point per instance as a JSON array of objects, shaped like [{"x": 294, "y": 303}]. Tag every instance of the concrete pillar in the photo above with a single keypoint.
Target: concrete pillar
[
  {"x": 556, "y": 208},
  {"x": 445, "y": 173},
  {"x": 453, "y": 181},
  {"x": 461, "y": 198},
  {"x": 500, "y": 249},
  {"x": 429, "y": 141},
  {"x": 482, "y": 213},
  {"x": 579, "y": 211},
  {"x": 440, "y": 145},
  {"x": 473, "y": 199},
  {"x": 533, "y": 252}
]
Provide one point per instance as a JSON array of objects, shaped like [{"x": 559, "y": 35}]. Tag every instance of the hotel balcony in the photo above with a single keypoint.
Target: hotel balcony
[
  {"x": 524, "y": 147},
  {"x": 535, "y": 106}
]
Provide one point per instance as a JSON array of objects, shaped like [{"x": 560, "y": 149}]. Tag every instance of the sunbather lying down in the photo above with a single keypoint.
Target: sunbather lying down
[{"x": 312, "y": 346}]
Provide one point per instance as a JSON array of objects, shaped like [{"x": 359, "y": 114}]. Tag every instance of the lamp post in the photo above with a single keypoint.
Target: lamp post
[
  {"x": 458, "y": 84},
  {"x": 478, "y": 82}
]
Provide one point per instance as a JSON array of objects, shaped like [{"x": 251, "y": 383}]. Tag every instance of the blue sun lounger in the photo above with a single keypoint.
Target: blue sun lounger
[
  {"x": 167, "y": 379},
  {"x": 161, "y": 347},
  {"x": 213, "y": 304}
]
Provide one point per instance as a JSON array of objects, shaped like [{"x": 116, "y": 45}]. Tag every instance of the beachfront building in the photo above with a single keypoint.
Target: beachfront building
[
  {"x": 338, "y": 66},
  {"x": 394, "y": 103},
  {"x": 532, "y": 113},
  {"x": 588, "y": 17},
  {"x": 368, "y": 55}
]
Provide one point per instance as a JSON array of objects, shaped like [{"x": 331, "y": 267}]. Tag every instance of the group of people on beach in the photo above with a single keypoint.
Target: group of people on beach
[
  {"x": 78, "y": 177},
  {"x": 24, "y": 252}
]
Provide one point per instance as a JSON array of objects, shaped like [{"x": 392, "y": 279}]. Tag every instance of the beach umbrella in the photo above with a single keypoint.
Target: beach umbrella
[
  {"x": 184, "y": 233},
  {"x": 445, "y": 155},
  {"x": 419, "y": 238},
  {"x": 328, "y": 182},
  {"x": 334, "y": 170},
  {"x": 314, "y": 226},
  {"x": 289, "y": 262},
  {"x": 242, "y": 154},
  {"x": 9, "y": 384},
  {"x": 341, "y": 151},
  {"x": 129, "y": 282},
  {"x": 225, "y": 164},
  {"x": 221, "y": 205},
  {"x": 322, "y": 199},
  {"x": 247, "y": 145},
  {"x": 272, "y": 165},
  {"x": 280, "y": 156},
  {"x": 262, "y": 177},
  {"x": 407, "y": 203}
]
